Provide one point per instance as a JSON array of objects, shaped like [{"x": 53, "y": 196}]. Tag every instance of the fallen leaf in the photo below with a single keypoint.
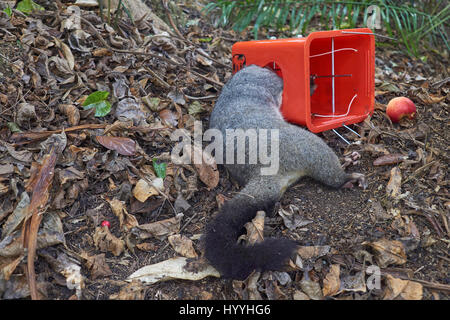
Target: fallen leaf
[
  {"x": 67, "y": 53},
  {"x": 25, "y": 113},
  {"x": 353, "y": 283},
  {"x": 159, "y": 229},
  {"x": 50, "y": 234},
  {"x": 255, "y": 229},
  {"x": 402, "y": 289},
  {"x": 389, "y": 159},
  {"x": 181, "y": 204},
  {"x": 182, "y": 245},
  {"x": 105, "y": 241},
  {"x": 146, "y": 246},
  {"x": 69, "y": 174},
  {"x": 23, "y": 155},
  {"x": 310, "y": 252},
  {"x": 126, "y": 220},
  {"x": 206, "y": 167},
  {"x": 390, "y": 87},
  {"x": 171, "y": 269},
  {"x": 195, "y": 108},
  {"x": 6, "y": 168},
  {"x": 331, "y": 282},
  {"x": 311, "y": 288},
  {"x": 376, "y": 149},
  {"x": 169, "y": 117},
  {"x": 135, "y": 290},
  {"x": 71, "y": 112},
  {"x": 177, "y": 96},
  {"x": 293, "y": 218},
  {"x": 18, "y": 215},
  {"x": 7, "y": 267},
  {"x": 142, "y": 190},
  {"x": 71, "y": 270},
  {"x": 123, "y": 146},
  {"x": 96, "y": 265},
  {"x": 395, "y": 183},
  {"x": 378, "y": 210},
  {"x": 299, "y": 295},
  {"x": 388, "y": 252},
  {"x": 51, "y": 148}
]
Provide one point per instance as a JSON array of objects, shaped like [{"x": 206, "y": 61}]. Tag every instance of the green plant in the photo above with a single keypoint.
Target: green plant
[
  {"x": 409, "y": 20},
  {"x": 160, "y": 169},
  {"x": 98, "y": 101},
  {"x": 8, "y": 11},
  {"x": 118, "y": 12},
  {"x": 27, "y": 6}
]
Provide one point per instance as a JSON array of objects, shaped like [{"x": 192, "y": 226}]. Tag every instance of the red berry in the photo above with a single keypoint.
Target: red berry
[{"x": 106, "y": 223}]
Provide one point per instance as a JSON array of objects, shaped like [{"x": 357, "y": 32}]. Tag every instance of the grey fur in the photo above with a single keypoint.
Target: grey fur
[{"x": 251, "y": 100}]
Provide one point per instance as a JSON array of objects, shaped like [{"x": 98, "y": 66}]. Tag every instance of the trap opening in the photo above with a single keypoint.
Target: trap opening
[
  {"x": 341, "y": 63},
  {"x": 341, "y": 69}
]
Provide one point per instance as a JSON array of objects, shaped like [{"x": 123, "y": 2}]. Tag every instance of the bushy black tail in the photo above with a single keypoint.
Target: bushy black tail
[{"x": 237, "y": 261}]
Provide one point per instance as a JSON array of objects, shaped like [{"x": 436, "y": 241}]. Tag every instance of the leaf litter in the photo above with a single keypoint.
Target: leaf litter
[{"x": 63, "y": 171}]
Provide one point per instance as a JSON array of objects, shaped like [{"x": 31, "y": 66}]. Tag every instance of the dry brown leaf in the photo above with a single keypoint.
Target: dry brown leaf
[
  {"x": 69, "y": 174},
  {"x": 389, "y": 159},
  {"x": 402, "y": 289},
  {"x": 146, "y": 246},
  {"x": 135, "y": 290},
  {"x": 255, "y": 229},
  {"x": 123, "y": 146},
  {"x": 22, "y": 155},
  {"x": 331, "y": 282},
  {"x": 101, "y": 52},
  {"x": 25, "y": 113},
  {"x": 183, "y": 245},
  {"x": 354, "y": 283},
  {"x": 376, "y": 149},
  {"x": 52, "y": 147},
  {"x": 169, "y": 117},
  {"x": 105, "y": 241},
  {"x": 311, "y": 288},
  {"x": 159, "y": 229},
  {"x": 207, "y": 169},
  {"x": 126, "y": 220},
  {"x": 8, "y": 265},
  {"x": 395, "y": 183},
  {"x": 19, "y": 214},
  {"x": 71, "y": 112},
  {"x": 96, "y": 265},
  {"x": 6, "y": 168},
  {"x": 309, "y": 252},
  {"x": 388, "y": 252},
  {"x": 142, "y": 190},
  {"x": 299, "y": 295}
]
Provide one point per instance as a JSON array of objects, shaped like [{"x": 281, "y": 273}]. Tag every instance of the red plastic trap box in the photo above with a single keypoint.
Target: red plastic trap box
[{"x": 342, "y": 63}]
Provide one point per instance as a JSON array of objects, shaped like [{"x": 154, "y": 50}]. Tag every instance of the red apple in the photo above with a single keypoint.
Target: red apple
[{"x": 399, "y": 108}]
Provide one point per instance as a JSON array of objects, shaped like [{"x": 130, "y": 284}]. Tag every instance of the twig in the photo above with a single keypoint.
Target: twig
[
  {"x": 33, "y": 136},
  {"x": 158, "y": 77},
  {"x": 429, "y": 285},
  {"x": 417, "y": 171},
  {"x": 201, "y": 98},
  {"x": 169, "y": 16}
]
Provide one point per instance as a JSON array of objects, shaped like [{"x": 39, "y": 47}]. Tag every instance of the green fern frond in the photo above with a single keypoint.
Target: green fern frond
[{"x": 410, "y": 21}]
